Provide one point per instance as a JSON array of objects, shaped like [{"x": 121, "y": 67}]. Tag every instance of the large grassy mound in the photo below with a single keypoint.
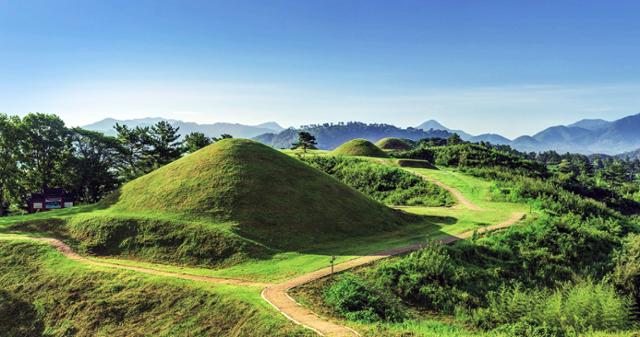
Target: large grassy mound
[
  {"x": 359, "y": 147},
  {"x": 264, "y": 194},
  {"x": 397, "y": 144}
]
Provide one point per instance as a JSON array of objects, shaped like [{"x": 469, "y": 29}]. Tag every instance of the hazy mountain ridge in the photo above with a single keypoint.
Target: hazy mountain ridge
[
  {"x": 586, "y": 136},
  {"x": 330, "y": 136},
  {"x": 212, "y": 130}
]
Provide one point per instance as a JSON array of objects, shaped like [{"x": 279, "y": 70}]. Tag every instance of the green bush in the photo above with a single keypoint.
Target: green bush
[
  {"x": 357, "y": 300},
  {"x": 385, "y": 184},
  {"x": 570, "y": 310}
]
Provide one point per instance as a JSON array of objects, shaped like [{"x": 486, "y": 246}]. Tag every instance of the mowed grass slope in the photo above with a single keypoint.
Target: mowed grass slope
[
  {"x": 359, "y": 147},
  {"x": 396, "y": 144},
  {"x": 270, "y": 196},
  {"x": 44, "y": 294}
]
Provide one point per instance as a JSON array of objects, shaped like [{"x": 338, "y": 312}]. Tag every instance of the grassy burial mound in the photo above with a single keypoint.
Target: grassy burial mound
[
  {"x": 359, "y": 147},
  {"x": 259, "y": 193},
  {"x": 394, "y": 144}
]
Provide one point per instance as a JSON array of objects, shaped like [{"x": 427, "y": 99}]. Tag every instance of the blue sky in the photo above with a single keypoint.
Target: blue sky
[{"x": 512, "y": 67}]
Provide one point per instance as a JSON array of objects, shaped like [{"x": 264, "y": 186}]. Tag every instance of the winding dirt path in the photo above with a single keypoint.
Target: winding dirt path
[
  {"x": 277, "y": 295},
  {"x": 70, "y": 254},
  {"x": 462, "y": 200}
]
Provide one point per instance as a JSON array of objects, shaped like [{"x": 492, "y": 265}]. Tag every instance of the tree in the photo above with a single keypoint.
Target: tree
[
  {"x": 94, "y": 164},
  {"x": 222, "y": 136},
  {"x": 136, "y": 144},
  {"x": 45, "y": 148},
  {"x": 165, "y": 145},
  {"x": 9, "y": 172},
  {"x": 454, "y": 139},
  {"x": 195, "y": 141},
  {"x": 305, "y": 141}
]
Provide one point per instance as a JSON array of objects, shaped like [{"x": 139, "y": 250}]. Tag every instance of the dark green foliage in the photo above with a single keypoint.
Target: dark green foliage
[
  {"x": 44, "y": 147},
  {"x": 74, "y": 300},
  {"x": 572, "y": 309},
  {"x": 386, "y": 184},
  {"x": 92, "y": 170},
  {"x": 359, "y": 300},
  {"x": 432, "y": 279},
  {"x": 627, "y": 270},
  {"x": 305, "y": 141},
  {"x": 416, "y": 163},
  {"x": 165, "y": 146},
  {"x": 195, "y": 141},
  {"x": 18, "y": 318}
]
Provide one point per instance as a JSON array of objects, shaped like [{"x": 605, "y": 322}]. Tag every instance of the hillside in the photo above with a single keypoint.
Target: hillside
[
  {"x": 330, "y": 136},
  {"x": 391, "y": 143},
  {"x": 359, "y": 147},
  {"x": 211, "y": 130},
  {"x": 270, "y": 196}
]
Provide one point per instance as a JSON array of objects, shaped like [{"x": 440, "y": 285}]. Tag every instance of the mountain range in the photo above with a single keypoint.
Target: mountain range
[
  {"x": 212, "y": 130},
  {"x": 587, "y": 136}
]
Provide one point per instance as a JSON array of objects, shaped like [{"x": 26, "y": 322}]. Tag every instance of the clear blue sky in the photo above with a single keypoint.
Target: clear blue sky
[{"x": 512, "y": 67}]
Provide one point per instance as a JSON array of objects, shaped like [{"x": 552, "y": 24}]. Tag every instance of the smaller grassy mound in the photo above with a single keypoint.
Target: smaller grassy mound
[
  {"x": 359, "y": 147},
  {"x": 395, "y": 144}
]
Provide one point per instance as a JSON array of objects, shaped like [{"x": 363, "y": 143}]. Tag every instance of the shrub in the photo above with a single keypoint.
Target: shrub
[
  {"x": 357, "y": 300},
  {"x": 573, "y": 309},
  {"x": 385, "y": 184}
]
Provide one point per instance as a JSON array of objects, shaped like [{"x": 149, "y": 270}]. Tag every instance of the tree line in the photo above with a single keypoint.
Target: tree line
[{"x": 39, "y": 151}]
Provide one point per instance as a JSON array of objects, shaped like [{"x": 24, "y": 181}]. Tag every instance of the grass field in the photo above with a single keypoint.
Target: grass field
[
  {"x": 476, "y": 190},
  {"x": 69, "y": 298},
  {"x": 281, "y": 265},
  {"x": 275, "y": 266}
]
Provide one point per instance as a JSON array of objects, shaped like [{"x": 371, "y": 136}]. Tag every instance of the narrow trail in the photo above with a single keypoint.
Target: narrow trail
[
  {"x": 277, "y": 295},
  {"x": 70, "y": 254},
  {"x": 462, "y": 200}
]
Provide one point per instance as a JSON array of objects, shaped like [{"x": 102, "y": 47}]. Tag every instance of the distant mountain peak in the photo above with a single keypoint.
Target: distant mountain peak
[
  {"x": 590, "y": 124},
  {"x": 432, "y": 124},
  {"x": 271, "y": 125}
]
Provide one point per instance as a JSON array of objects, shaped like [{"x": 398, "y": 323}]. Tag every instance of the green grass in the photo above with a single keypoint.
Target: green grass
[
  {"x": 394, "y": 144},
  {"x": 359, "y": 147},
  {"x": 272, "y": 197},
  {"x": 476, "y": 190},
  {"x": 268, "y": 264},
  {"x": 76, "y": 299}
]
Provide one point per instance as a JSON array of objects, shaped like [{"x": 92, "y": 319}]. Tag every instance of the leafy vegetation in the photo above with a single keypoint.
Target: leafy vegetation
[
  {"x": 359, "y": 147},
  {"x": 570, "y": 272},
  {"x": 383, "y": 183}
]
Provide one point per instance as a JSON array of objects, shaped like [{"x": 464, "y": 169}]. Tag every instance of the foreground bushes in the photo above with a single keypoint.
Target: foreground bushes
[
  {"x": 570, "y": 310},
  {"x": 385, "y": 184},
  {"x": 358, "y": 300}
]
